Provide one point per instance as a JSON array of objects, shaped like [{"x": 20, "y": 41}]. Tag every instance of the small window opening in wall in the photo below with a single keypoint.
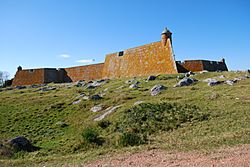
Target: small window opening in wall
[
  {"x": 31, "y": 70},
  {"x": 120, "y": 53}
]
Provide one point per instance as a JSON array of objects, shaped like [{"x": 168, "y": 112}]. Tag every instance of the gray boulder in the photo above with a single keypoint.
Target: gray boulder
[
  {"x": 151, "y": 78},
  {"x": 80, "y": 83},
  {"x": 77, "y": 101},
  {"x": 21, "y": 143},
  {"x": 97, "y": 108},
  {"x": 130, "y": 81},
  {"x": 107, "y": 112},
  {"x": 92, "y": 85},
  {"x": 85, "y": 97},
  {"x": 230, "y": 82},
  {"x": 209, "y": 80},
  {"x": 221, "y": 76},
  {"x": 45, "y": 89},
  {"x": 214, "y": 83},
  {"x": 95, "y": 97},
  {"x": 134, "y": 85},
  {"x": 188, "y": 74},
  {"x": 185, "y": 82},
  {"x": 157, "y": 89},
  {"x": 20, "y": 87},
  {"x": 204, "y": 71}
]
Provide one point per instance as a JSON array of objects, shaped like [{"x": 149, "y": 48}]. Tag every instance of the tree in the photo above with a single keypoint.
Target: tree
[{"x": 4, "y": 76}]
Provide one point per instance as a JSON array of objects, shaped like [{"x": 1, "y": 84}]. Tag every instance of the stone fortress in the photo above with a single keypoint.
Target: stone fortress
[{"x": 150, "y": 59}]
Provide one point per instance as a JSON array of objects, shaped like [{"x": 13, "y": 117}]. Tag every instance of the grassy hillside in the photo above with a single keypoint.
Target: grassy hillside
[{"x": 206, "y": 118}]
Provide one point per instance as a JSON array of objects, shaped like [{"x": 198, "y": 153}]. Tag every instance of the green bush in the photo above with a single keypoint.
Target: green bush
[
  {"x": 130, "y": 139},
  {"x": 104, "y": 124},
  {"x": 148, "y": 117},
  {"x": 90, "y": 135}
]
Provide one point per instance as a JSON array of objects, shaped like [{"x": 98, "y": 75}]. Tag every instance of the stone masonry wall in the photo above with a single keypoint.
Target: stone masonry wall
[
  {"x": 200, "y": 65},
  {"x": 214, "y": 65},
  {"x": 192, "y": 65},
  {"x": 150, "y": 59},
  {"x": 88, "y": 72},
  {"x": 29, "y": 77}
]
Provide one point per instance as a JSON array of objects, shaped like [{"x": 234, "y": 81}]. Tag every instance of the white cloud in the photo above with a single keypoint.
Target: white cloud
[
  {"x": 64, "y": 56},
  {"x": 85, "y": 61}
]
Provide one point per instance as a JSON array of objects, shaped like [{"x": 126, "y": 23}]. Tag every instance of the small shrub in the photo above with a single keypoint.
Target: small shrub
[
  {"x": 104, "y": 124},
  {"x": 148, "y": 118},
  {"x": 6, "y": 152},
  {"x": 90, "y": 135},
  {"x": 130, "y": 139}
]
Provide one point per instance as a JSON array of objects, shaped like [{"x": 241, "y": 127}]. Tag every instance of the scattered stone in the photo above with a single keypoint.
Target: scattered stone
[
  {"x": 96, "y": 83},
  {"x": 238, "y": 79},
  {"x": 185, "y": 82},
  {"x": 81, "y": 95},
  {"x": 209, "y": 80},
  {"x": 188, "y": 74},
  {"x": 47, "y": 89},
  {"x": 21, "y": 143},
  {"x": 77, "y": 101},
  {"x": 10, "y": 88},
  {"x": 247, "y": 74},
  {"x": 108, "y": 111},
  {"x": 20, "y": 87},
  {"x": 157, "y": 89},
  {"x": 134, "y": 86},
  {"x": 97, "y": 108},
  {"x": 213, "y": 83},
  {"x": 151, "y": 78},
  {"x": 34, "y": 86},
  {"x": 230, "y": 82},
  {"x": 62, "y": 124},
  {"x": 204, "y": 71},
  {"x": 95, "y": 97},
  {"x": 221, "y": 76},
  {"x": 138, "y": 102},
  {"x": 85, "y": 97},
  {"x": 92, "y": 85},
  {"x": 130, "y": 81},
  {"x": 80, "y": 83}
]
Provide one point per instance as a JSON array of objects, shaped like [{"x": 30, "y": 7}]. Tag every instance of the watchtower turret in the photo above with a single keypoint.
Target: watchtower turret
[{"x": 165, "y": 35}]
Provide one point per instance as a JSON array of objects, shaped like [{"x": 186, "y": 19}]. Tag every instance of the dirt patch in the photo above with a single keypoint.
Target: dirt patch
[{"x": 231, "y": 157}]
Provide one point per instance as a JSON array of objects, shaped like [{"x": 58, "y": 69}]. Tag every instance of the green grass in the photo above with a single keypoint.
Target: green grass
[{"x": 35, "y": 114}]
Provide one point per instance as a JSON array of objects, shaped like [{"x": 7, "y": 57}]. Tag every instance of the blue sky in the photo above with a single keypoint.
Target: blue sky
[{"x": 64, "y": 33}]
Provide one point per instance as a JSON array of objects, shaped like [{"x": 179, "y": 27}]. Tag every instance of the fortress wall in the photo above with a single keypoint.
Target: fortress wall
[
  {"x": 192, "y": 65},
  {"x": 150, "y": 59},
  {"x": 200, "y": 65},
  {"x": 29, "y": 77},
  {"x": 51, "y": 75},
  {"x": 88, "y": 72},
  {"x": 214, "y": 65}
]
